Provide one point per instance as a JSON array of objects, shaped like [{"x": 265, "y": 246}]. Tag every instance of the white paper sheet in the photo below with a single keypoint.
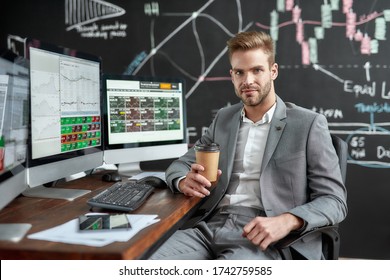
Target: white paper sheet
[
  {"x": 159, "y": 174},
  {"x": 69, "y": 232}
]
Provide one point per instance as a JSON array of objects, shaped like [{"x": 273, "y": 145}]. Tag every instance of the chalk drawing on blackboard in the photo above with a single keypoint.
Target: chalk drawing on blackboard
[
  {"x": 82, "y": 12},
  {"x": 362, "y": 149},
  {"x": 368, "y": 44},
  {"x": 369, "y": 148}
]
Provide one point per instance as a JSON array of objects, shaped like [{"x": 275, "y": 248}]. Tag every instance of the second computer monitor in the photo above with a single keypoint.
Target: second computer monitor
[{"x": 144, "y": 120}]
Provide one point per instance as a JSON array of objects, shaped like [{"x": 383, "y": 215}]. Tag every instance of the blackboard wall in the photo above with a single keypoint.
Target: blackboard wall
[{"x": 332, "y": 55}]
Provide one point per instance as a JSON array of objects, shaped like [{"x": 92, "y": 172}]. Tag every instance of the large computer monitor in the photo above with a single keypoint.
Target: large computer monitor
[
  {"x": 66, "y": 125},
  {"x": 144, "y": 120},
  {"x": 14, "y": 90}
]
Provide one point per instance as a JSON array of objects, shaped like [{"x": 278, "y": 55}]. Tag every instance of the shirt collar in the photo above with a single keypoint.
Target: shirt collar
[{"x": 266, "y": 118}]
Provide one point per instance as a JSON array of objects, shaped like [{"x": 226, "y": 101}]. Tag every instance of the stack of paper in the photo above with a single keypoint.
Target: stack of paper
[{"x": 69, "y": 232}]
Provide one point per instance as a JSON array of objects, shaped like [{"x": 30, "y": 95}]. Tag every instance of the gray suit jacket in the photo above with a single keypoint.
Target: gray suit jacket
[{"x": 300, "y": 172}]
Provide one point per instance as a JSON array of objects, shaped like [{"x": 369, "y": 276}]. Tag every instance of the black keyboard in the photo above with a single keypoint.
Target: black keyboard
[{"x": 122, "y": 196}]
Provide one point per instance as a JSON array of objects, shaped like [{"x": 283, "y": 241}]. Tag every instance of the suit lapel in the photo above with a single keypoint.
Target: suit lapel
[
  {"x": 232, "y": 140},
  {"x": 275, "y": 132}
]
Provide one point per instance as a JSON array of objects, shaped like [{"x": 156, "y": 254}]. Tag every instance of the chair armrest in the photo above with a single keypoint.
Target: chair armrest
[{"x": 330, "y": 235}]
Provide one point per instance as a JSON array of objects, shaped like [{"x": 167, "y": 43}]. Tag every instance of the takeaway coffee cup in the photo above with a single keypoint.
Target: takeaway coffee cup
[{"x": 207, "y": 155}]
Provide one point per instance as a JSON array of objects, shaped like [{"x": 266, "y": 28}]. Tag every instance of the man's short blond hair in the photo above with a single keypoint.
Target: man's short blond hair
[{"x": 250, "y": 40}]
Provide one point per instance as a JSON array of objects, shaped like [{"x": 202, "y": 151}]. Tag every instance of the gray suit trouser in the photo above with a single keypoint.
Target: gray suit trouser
[{"x": 218, "y": 238}]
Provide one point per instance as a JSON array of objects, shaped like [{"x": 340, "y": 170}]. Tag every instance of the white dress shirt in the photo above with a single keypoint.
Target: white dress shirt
[{"x": 244, "y": 185}]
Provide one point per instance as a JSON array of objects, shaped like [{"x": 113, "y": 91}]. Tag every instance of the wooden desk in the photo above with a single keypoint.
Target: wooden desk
[{"x": 172, "y": 209}]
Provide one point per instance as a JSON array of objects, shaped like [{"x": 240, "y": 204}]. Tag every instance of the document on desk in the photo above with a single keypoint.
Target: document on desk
[
  {"x": 141, "y": 175},
  {"x": 69, "y": 232}
]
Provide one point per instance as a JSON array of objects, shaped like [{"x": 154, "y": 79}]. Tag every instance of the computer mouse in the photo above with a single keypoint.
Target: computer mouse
[
  {"x": 154, "y": 181},
  {"x": 111, "y": 177}
]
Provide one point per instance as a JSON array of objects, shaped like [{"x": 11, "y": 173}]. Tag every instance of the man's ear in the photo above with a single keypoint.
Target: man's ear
[{"x": 274, "y": 71}]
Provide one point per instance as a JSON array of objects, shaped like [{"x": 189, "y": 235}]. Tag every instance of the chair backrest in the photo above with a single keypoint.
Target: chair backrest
[
  {"x": 330, "y": 235},
  {"x": 342, "y": 152}
]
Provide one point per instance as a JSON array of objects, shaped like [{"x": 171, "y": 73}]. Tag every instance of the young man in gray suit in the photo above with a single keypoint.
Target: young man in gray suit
[{"x": 278, "y": 170}]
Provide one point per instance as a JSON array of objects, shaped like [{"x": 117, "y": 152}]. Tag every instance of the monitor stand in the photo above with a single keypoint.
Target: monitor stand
[
  {"x": 129, "y": 169},
  {"x": 13, "y": 232},
  {"x": 57, "y": 193},
  {"x": 106, "y": 167},
  {"x": 75, "y": 176}
]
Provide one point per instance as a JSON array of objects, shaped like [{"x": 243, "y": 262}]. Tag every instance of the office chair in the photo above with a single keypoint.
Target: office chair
[{"x": 330, "y": 234}]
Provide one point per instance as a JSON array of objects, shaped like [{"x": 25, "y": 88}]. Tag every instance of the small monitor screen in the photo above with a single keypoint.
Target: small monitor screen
[
  {"x": 147, "y": 113},
  {"x": 144, "y": 111}
]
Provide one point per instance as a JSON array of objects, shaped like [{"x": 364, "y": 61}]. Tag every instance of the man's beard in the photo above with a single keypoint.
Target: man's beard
[{"x": 251, "y": 101}]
